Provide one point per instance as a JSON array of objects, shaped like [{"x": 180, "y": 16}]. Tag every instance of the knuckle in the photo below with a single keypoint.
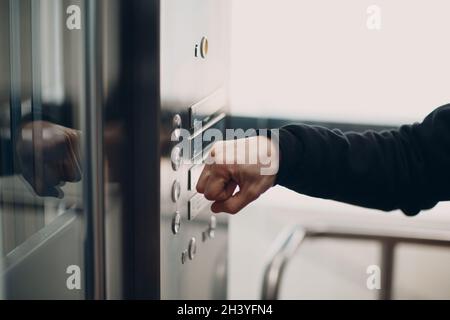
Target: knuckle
[
  {"x": 233, "y": 169},
  {"x": 232, "y": 208},
  {"x": 252, "y": 194},
  {"x": 209, "y": 196}
]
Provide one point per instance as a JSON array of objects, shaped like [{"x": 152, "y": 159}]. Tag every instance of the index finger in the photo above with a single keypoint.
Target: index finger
[{"x": 203, "y": 179}]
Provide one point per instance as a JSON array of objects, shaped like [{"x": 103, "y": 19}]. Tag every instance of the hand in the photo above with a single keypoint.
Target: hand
[
  {"x": 49, "y": 156},
  {"x": 250, "y": 164}
]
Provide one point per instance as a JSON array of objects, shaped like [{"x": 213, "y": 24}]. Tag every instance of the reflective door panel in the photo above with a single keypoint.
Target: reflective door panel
[{"x": 42, "y": 102}]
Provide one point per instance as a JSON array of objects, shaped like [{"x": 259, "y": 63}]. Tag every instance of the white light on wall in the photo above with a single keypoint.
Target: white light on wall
[{"x": 381, "y": 62}]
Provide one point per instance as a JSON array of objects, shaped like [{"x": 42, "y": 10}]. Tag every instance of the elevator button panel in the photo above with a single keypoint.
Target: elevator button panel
[{"x": 193, "y": 102}]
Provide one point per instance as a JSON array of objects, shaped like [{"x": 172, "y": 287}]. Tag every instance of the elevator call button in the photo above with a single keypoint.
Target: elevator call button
[
  {"x": 176, "y": 158},
  {"x": 176, "y": 124},
  {"x": 204, "y": 47},
  {"x": 176, "y": 222},
  {"x": 192, "y": 249},
  {"x": 184, "y": 255},
  {"x": 176, "y": 191}
]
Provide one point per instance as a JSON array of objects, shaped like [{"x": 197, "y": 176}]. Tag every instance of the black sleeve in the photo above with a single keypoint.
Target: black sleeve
[{"x": 407, "y": 169}]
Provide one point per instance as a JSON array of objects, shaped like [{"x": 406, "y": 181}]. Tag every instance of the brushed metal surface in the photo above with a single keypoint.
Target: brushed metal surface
[{"x": 191, "y": 71}]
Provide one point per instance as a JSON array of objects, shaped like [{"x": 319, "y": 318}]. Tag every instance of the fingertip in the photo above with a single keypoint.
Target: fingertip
[
  {"x": 209, "y": 197},
  {"x": 201, "y": 185},
  {"x": 215, "y": 208}
]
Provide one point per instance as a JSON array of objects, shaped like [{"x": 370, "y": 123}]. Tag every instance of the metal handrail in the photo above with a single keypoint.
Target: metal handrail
[
  {"x": 289, "y": 241},
  {"x": 284, "y": 248}
]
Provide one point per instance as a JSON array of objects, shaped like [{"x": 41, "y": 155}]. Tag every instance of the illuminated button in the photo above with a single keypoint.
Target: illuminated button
[
  {"x": 192, "y": 250},
  {"x": 204, "y": 47},
  {"x": 175, "y": 156},
  {"x": 176, "y": 222},
  {"x": 212, "y": 227},
  {"x": 176, "y": 191}
]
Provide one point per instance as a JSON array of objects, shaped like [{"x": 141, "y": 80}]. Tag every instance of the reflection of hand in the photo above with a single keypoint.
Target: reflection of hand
[
  {"x": 230, "y": 167},
  {"x": 49, "y": 155}
]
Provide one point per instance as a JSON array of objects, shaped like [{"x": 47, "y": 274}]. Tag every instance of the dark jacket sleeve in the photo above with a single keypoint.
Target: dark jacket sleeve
[{"x": 407, "y": 169}]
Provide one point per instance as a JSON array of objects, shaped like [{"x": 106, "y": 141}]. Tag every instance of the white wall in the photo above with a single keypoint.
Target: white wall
[{"x": 316, "y": 60}]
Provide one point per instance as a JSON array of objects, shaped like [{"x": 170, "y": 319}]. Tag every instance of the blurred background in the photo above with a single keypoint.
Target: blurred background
[{"x": 317, "y": 61}]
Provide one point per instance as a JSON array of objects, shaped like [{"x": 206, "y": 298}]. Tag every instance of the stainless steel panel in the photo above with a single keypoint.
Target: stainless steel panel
[
  {"x": 203, "y": 137},
  {"x": 194, "y": 77},
  {"x": 185, "y": 78},
  {"x": 201, "y": 112},
  {"x": 196, "y": 205},
  {"x": 194, "y": 175}
]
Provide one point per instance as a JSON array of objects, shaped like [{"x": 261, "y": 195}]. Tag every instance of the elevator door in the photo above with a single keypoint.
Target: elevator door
[{"x": 47, "y": 243}]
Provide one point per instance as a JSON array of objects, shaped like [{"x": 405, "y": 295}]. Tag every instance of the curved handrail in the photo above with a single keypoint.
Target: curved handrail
[
  {"x": 283, "y": 249},
  {"x": 287, "y": 243}
]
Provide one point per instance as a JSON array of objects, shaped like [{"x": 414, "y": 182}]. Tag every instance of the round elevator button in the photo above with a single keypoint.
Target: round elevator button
[
  {"x": 176, "y": 134},
  {"x": 204, "y": 47},
  {"x": 213, "y": 223},
  {"x": 176, "y": 124},
  {"x": 176, "y": 222},
  {"x": 192, "y": 249},
  {"x": 176, "y": 191},
  {"x": 184, "y": 255},
  {"x": 176, "y": 121},
  {"x": 212, "y": 227},
  {"x": 175, "y": 156}
]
